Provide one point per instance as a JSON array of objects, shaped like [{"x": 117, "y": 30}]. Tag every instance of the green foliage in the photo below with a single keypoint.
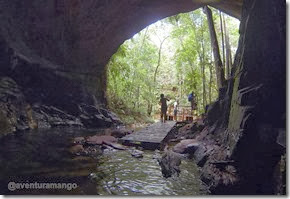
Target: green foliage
[
  {"x": 183, "y": 64},
  {"x": 130, "y": 74}
]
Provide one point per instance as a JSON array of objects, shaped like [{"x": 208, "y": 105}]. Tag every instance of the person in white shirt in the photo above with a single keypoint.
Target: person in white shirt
[{"x": 175, "y": 105}]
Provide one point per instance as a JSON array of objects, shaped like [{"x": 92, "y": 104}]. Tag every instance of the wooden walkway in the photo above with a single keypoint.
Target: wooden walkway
[{"x": 150, "y": 137}]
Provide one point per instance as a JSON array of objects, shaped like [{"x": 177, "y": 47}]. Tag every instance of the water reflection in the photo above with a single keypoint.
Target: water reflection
[
  {"x": 125, "y": 175},
  {"x": 43, "y": 156}
]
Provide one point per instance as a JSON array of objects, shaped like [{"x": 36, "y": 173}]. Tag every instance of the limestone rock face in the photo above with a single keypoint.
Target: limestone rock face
[
  {"x": 12, "y": 107},
  {"x": 253, "y": 108},
  {"x": 32, "y": 97}
]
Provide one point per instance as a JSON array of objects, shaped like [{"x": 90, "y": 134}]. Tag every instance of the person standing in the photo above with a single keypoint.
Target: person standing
[
  {"x": 163, "y": 103},
  {"x": 191, "y": 99},
  {"x": 175, "y": 110}
]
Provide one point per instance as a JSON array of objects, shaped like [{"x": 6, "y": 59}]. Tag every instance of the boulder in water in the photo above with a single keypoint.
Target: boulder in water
[
  {"x": 121, "y": 132},
  {"x": 186, "y": 146},
  {"x": 136, "y": 153},
  {"x": 200, "y": 155},
  {"x": 92, "y": 151},
  {"x": 79, "y": 140},
  {"x": 169, "y": 163},
  {"x": 99, "y": 140},
  {"x": 77, "y": 149},
  {"x": 115, "y": 145}
]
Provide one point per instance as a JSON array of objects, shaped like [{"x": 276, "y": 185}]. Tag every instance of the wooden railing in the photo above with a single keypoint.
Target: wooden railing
[{"x": 184, "y": 113}]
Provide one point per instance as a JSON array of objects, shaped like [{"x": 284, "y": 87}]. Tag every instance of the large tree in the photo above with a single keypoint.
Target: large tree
[
  {"x": 215, "y": 48},
  {"x": 173, "y": 57}
]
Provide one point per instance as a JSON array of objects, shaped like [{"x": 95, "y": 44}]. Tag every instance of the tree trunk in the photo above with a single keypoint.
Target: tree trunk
[
  {"x": 210, "y": 82},
  {"x": 202, "y": 63},
  {"x": 149, "y": 103},
  {"x": 138, "y": 97},
  {"x": 223, "y": 41},
  {"x": 159, "y": 58},
  {"x": 228, "y": 52},
  {"x": 204, "y": 102},
  {"x": 214, "y": 43},
  {"x": 149, "y": 108},
  {"x": 143, "y": 41}
]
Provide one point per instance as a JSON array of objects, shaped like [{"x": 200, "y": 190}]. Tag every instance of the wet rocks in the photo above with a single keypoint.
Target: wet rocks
[
  {"x": 20, "y": 112},
  {"x": 79, "y": 140},
  {"x": 196, "y": 149},
  {"x": 113, "y": 117},
  {"x": 33, "y": 94},
  {"x": 92, "y": 145},
  {"x": 13, "y": 112},
  {"x": 120, "y": 132},
  {"x": 200, "y": 155},
  {"x": 77, "y": 149},
  {"x": 115, "y": 145},
  {"x": 136, "y": 153},
  {"x": 189, "y": 131},
  {"x": 85, "y": 150},
  {"x": 220, "y": 180},
  {"x": 50, "y": 116},
  {"x": 92, "y": 151},
  {"x": 186, "y": 146},
  {"x": 90, "y": 116},
  {"x": 157, "y": 156},
  {"x": 169, "y": 163},
  {"x": 99, "y": 140}
]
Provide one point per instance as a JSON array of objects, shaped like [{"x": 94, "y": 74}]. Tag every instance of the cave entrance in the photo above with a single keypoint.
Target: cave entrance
[{"x": 174, "y": 57}]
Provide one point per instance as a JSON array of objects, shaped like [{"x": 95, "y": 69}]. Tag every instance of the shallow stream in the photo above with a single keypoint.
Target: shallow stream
[{"x": 42, "y": 156}]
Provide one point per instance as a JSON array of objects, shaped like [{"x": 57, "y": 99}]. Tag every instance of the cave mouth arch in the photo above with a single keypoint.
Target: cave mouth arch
[
  {"x": 77, "y": 38},
  {"x": 155, "y": 50},
  {"x": 232, "y": 9}
]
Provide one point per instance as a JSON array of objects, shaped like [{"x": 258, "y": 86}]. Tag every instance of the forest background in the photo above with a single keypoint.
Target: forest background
[{"x": 174, "y": 56}]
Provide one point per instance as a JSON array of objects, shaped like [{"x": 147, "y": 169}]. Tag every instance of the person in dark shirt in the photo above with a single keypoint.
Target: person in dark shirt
[
  {"x": 191, "y": 99},
  {"x": 163, "y": 103}
]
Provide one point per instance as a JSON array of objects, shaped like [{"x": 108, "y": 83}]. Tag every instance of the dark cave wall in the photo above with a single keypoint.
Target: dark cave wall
[
  {"x": 251, "y": 113},
  {"x": 33, "y": 96},
  {"x": 260, "y": 75},
  {"x": 53, "y": 56},
  {"x": 76, "y": 38},
  {"x": 258, "y": 105}
]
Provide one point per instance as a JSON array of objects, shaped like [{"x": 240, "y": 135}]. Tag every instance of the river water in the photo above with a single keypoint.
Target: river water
[{"x": 42, "y": 156}]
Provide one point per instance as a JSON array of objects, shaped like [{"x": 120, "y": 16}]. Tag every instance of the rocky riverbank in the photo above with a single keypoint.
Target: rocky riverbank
[
  {"x": 220, "y": 171},
  {"x": 243, "y": 144},
  {"x": 37, "y": 95}
]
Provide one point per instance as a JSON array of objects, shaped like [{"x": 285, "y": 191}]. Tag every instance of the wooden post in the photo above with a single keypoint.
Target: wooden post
[{"x": 182, "y": 114}]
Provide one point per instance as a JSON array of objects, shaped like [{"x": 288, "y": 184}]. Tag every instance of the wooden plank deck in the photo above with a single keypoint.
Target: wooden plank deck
[{"x": 151, "y": 136}]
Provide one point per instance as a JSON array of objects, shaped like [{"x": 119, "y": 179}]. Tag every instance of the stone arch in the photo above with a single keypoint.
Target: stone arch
[{"x": 76, "y": 38}]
